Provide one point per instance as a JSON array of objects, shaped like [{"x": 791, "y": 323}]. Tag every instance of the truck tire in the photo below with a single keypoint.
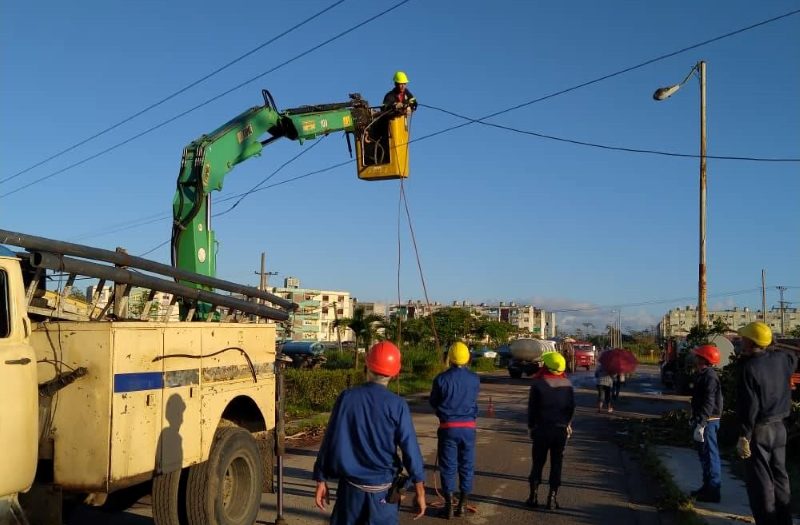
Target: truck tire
[
  {"x": 226, "y": 489},
  {"x": 169, "y": 498}
]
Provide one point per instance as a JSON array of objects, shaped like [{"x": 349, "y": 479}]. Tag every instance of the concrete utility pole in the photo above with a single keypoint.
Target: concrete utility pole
[
  {"x": 764, "y": 295},
  {"x": 663, "y": 94},
  {"x": 783, "y": 304}
]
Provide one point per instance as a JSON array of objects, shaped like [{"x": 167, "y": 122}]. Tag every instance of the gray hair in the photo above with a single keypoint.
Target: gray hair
[{"x": 372, "y": 377}]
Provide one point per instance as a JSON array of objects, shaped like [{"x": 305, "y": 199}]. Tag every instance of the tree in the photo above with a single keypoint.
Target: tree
[
  {"x": 362, "y": 325},
  {"x": 452, "y": 324},
  {"x": 498, "y": 331},
  {"x": 795, "y": 332},
  {"x": 701, "y": 334}
]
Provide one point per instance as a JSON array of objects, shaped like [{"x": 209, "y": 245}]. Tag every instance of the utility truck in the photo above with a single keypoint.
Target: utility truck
[{"x": 96, "y": 400}]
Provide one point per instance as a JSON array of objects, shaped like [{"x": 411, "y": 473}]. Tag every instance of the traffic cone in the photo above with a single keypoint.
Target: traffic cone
[{"x": 490, "y": 408}]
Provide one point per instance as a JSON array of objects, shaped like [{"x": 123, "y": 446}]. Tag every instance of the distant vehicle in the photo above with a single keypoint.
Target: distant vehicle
[
  {"x": 484, "y": 352},
  {"x": 578, "y": 354},
  {"x": 526, "y": 356},
  {"x": 304, "y": 354}
]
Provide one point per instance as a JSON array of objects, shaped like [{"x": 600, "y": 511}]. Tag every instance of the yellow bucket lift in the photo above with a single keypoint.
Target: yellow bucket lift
[{"x": 382, "y": 150}]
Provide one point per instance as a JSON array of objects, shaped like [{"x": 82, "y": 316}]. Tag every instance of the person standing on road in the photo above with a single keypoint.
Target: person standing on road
[
  {"x": 616, "y": 388},
  {"x": 604, "y": 384},
  {"x": 454, "y": 397},
  {"x": 763, "y": 401},
  {"x": 551, "y": 406},
  {"x": 706, "y": 413},
  {"x": 367, "y": 425}
]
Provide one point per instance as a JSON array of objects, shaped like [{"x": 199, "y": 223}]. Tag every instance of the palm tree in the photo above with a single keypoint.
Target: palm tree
[{"x": 362, "y": 326}]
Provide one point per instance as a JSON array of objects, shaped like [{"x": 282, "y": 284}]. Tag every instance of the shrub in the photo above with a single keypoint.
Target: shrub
[
  {"x": 482, "y": 364},
  {"x": 337, "y": 360},
  {"x": 318, "y": 389}
]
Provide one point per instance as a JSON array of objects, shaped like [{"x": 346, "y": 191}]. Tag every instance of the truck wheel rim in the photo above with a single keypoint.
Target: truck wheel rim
[{"x": 237, "y": 488}]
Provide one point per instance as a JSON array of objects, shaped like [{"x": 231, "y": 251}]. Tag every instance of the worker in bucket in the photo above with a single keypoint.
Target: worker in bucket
[
  {"x": 400, "y": 98},
  {"x": 551, "y": 406},
  {"x": 763, "y": 402},
  {"x": 706, "y": 413},
  {"x": 454, "y": 397},
  {"x": 367, "y": 426}
]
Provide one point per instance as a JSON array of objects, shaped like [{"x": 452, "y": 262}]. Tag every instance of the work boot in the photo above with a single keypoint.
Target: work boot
[
  {"x": 699, "y": 491},
  {"x": 533, "y": 498},
  {"x": 710, "y": 495},
  {"x": 552, "y": 500},
  {"x": 447, "y": 511},
  {"x": 461, "y": 509}
]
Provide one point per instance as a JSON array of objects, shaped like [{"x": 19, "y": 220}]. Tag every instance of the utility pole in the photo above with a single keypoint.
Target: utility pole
[
  {"x": 764, "y": 296},
  {"x": 783, "y": 304}
]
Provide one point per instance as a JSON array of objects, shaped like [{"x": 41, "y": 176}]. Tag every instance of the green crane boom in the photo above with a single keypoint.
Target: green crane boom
[{"x": 207, "y": 161}]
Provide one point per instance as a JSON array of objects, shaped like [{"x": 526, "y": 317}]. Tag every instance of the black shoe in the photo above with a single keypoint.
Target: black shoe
[
  {"x": 533, "y": 498},
  {"x": 552, "y": 500},
  {"x": 699, "y": 491},
  {"x": 710, "y": 495},
  {"x": 461, "y": 507},
  {"x": 447, "y": 511}
]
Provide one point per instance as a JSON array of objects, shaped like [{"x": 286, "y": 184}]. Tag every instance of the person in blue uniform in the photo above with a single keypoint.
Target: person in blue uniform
[
  {"x": 763, "y": 401},
  {"x": 454, "y": 397},
  {"x": 551, "y": 406},
  {"x": 367, "y": 426},
  {"x": 706, "y": 413}
]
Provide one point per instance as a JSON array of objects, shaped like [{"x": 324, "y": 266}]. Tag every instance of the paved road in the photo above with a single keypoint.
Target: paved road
[{"x": 601, "y": 483}]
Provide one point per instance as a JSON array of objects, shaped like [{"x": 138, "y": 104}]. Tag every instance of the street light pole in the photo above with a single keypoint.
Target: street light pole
[
  {"x": 701, "y": 285},
  {"x": 663, "y": 94}
]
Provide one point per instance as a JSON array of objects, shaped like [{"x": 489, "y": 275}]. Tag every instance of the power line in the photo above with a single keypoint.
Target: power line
[
  {"x": 605, "y": 146},
  {"x": 518, "y": 106},
  {"x": 173, "y": 95},
  {"x": 616, "y": 73},
  {"x": 205, "y": 103}
]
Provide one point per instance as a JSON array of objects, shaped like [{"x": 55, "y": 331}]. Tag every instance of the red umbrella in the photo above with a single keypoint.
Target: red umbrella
[{"x": 618, "y": 361}]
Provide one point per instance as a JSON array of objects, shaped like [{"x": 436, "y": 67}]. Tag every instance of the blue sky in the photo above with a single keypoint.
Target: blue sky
[{"x": 498, "y": 215}]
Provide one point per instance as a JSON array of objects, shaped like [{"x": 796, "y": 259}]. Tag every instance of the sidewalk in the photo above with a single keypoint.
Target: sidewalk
[{"x": 684, "y": 466}]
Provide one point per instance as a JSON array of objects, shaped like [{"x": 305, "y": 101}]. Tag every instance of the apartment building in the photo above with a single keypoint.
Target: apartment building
[
  {"x": 318, "y": 310},
  {"x": 678, "y": 321}
]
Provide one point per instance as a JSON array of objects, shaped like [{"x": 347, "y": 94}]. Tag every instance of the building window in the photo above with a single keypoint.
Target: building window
[
  {"x": 324, "y": 297},
  {"x": 341, "y": 298}
]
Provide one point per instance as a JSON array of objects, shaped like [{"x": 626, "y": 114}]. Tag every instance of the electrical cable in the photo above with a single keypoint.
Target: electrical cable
[
  {"x": 617, "y": 73},
  {"x": 607, "y": 147},
  {"x": 452, "y": 128},
  {"x": 652, "y": 302},
  {"x": 173, "y": 95},
  {"x": 205, "y": 103}
]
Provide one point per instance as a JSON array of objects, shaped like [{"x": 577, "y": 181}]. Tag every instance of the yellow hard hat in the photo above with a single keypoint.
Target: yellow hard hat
[
  {"x": 400, "y": 78},
  {"x": 554, "y": 362},
  {"x": 458, "y": 354},
  {"x": 757, "y": 332}
]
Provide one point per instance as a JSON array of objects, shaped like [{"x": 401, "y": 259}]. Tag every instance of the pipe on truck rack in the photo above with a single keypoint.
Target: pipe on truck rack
[
  {"x": 34, "y": 243},
  {"x": 119, "y": 275}
]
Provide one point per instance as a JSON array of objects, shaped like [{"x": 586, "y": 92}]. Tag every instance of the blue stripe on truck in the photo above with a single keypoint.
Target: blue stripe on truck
[{"x": 138, "y": 381}]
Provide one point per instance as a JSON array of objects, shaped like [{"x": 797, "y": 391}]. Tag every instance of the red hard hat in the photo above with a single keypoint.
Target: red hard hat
[
  {"x": 384, "y": 359},
  {"x": 708, "y": 352}
]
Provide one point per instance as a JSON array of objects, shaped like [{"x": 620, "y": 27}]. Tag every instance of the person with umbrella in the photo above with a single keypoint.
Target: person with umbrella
[
  {"x": 706, "y": 413},
  {"x": 611, "y": 364}
]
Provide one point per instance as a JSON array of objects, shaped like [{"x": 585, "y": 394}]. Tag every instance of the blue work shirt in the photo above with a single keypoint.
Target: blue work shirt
[
  {"x": 455, "y": 394},
  {"x": 367, "y": 425}
]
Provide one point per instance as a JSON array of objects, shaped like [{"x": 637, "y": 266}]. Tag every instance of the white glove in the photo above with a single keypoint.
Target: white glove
[
  {"x": 698, "y": 433},
  {"x": 743, "y": 448},
  {"x": 398, "y": 105},
  {"x": 569, "y": 431}
]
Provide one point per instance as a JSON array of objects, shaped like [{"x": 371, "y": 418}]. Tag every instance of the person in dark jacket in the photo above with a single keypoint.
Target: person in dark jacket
[
  {"x": 763, "y": 401},
  {"x": 454, "y": 397},
  {"x": 551, "y": 406},
  {"x": 400, "y": 98},
  {"x": 367, "y": 425},
  {"x": 706, "y": 413}
]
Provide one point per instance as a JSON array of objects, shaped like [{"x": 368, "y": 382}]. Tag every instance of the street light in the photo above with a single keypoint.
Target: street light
[{"x": 663, "y": 94}]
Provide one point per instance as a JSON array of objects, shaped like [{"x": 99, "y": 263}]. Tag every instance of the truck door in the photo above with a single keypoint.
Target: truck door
[{"x": 19, "y": 423}]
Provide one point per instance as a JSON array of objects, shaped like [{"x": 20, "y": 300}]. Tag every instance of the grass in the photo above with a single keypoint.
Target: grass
[{"x": 311, "y": 422}]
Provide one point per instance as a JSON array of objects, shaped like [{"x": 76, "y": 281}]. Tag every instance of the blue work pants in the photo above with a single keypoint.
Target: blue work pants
[
  {"x": 766, "y": 478},
  {"x": 708, "y": 451},
  {"x": 356, "y": 507},
  {"x": 456, "y": 453}
]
